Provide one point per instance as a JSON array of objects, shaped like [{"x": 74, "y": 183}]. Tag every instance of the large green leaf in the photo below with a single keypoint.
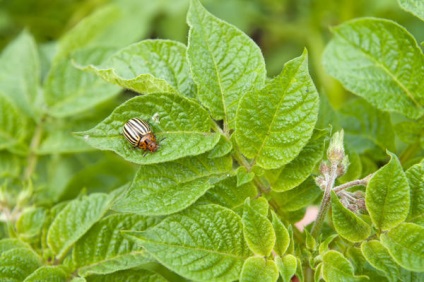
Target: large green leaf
[
  {"x": 10, "y": 244},
  {"x": 410, "y": 132},
  {"x": 224, "y": 61},
  {"x": 202, "y": 243},
  {"x": 98, "y": 176},
  {"x": 415, "y": 175},
  {"x": 48, "y": 273},
  {"x": 347, "y": 223},
  {"x": 380, "y": 61},
  {"x": 378, "y": 256},
  {"x": 139, "y": 275},
  {"x": 10, "y": 165},
  {"x": 406, "y": 245},
  {"x": 366, "y": 127},
  {"x": 297, "y": 198},
  {"x": 295, "y": 172},
  {"x": 16, "y": 264},
  {"x": 259, "y": 269},
  {"x": 274, "y": 124},
  {"x": 170, "y": 187},
  {"x": 387, "y": 195},
  {"x": 258, "y": 231},
  {"x": 104, "y": 250},
  {"x": 20, "y": 74},
  {"x": 184, "y": 123},
  {"x": 69, "y": 91},
  {"x": 73, "y": 221},
  {"x": 14, "y": 127},
  {"x": 359, "y": 262},
  {"x": 228, "y": 194},
  {"x": 415, "y": 7},
  {"x": 116, "y": 25},
  {"x": 150, "y": 66},
  {"x": 335, "y": 267}
]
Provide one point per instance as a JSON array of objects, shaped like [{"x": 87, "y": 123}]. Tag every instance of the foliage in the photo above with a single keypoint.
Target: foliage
[{"x": 242, "y": 155}]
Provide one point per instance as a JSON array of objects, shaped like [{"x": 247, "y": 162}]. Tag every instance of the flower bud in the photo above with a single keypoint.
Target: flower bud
[{"x": 335, "y": 152}]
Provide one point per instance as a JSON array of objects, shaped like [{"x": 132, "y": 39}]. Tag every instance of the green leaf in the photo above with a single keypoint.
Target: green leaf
[
  {"x": 286, "y": 266},
  {"x": 150, "y": 66},
  {"x": 223, "y": 147},
  {"x": 69, "y": 91},
  {"x": 16, "y": 264},
  {"x": 415, "y": 175},
  {"x": 259, "y": 205},
  {"x": 324, "y": 245},
  {"x": 58, "y": 134},
  {"x": 310, "y": 242},
  {"x": 29, "y": 224},
  {"x": 347, "y": 223},
  {"x": 10, "y": 244},
  {"x": 380, "y": 61},
  {"x": 48, "y": 273},
  {"x": 224, "y": 61},
  {"x": 276, "y": 122},
  {"x": 172, "y": 186},
  {"x": 258, "y": 231},
  {"x": 259, "y": 269},
  {"x": 359, "y": 262},
  {"x": 200, "y": 243},
  {"x": 104, "y": 250},
  {"x": 100, "y": 176},
  {"x": 282, "y": 236},
  {"x": 409, "y": 132},
  {"x": 117, "y": 25},
  {"x": 387, "y": 195},
  {"x": 72, "y": 222},
  {"x": 366, "y": 127},
  {"x": 244, "y": 176},
  {"x": 297, "y": 198},
  {"x": 184, "y": 123},
  {"x": 139, "y": 275},
  {"x": 20, "y": 81},
  {"x": 10, "y": 165},
  {"x": 295, "y": 172},
  {"x": 14, "y": 127},
  {"x": 228, "y": 194},
  {"x": 415, "y": 7},
  {"x": 406, "y": 245},
  {"x": 335, "y": 267},
  {"x": 378, "y": 256}
]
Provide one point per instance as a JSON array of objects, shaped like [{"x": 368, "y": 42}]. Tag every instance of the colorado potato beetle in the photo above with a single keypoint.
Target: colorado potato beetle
[{"x": 140, "y": 135}]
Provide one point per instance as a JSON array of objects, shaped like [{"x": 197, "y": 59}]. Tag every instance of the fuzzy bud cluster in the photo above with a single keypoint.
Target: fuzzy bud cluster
[{"x": 336, "y": 153}]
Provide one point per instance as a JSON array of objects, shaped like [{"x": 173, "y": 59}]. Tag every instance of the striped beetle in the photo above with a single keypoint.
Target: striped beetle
[{"x": 139, "y": 134}]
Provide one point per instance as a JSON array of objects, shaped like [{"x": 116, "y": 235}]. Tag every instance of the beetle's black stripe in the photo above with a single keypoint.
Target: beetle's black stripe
[
  {"x": 135, "y": 129},
  {"x": 140, "y": 125},
  {"x": 129, "y": 134}
]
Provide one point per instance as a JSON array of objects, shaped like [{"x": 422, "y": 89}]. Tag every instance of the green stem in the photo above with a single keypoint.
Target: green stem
[
  {"x": 359, "y": 182},
  {"x": 32, "y": 157},
  {"x": 325, "y": 203},
  {"x": 259, "y": 181}
]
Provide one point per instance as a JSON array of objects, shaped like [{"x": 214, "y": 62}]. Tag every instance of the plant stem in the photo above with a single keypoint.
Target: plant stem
[
  {"x": 325, "y": 203},
  {"x": 32, "y": 156},
  {"x": 359, "y": 182}
]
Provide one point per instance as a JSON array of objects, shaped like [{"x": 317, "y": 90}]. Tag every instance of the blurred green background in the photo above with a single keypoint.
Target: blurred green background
[{"x": 282, "y": 28}]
